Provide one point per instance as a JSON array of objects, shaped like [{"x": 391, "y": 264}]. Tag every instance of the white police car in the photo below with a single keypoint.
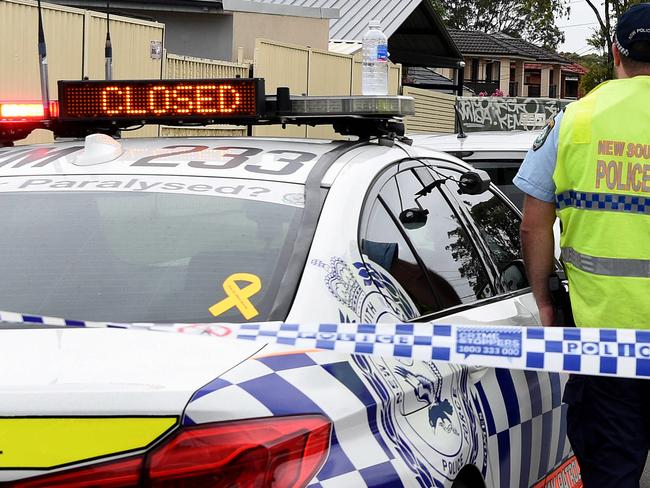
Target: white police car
[{"x": 229, "y": 231}]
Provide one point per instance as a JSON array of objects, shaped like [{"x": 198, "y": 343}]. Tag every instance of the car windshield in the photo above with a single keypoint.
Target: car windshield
[{"x": 145, "y": 249}]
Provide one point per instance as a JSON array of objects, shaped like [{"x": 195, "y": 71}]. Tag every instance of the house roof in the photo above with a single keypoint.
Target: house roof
[
  {"x": 475, "y": 42},
  {"x": 500, "y": 44},
  {"x": 575, "y": 68},
  {"x": 536, "y": 52},
  {"x": 417, "y": 35},
  {"x": 417, "y": 75}
]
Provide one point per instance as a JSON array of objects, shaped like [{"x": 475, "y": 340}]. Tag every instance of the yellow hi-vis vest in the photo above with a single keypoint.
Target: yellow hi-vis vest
[{"x": 602, "y": 180}]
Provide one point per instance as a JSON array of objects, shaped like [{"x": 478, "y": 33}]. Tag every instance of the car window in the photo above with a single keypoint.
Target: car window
[
  {"x": 498, "y": 226},
  {"x": 385, "y": 246},
  {"x": 126, "y": 256},
  {"x": 453, "y": 268}
]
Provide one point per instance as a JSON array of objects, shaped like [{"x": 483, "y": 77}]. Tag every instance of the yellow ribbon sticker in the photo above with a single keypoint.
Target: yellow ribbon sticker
[{"x": 238, "y": 297}]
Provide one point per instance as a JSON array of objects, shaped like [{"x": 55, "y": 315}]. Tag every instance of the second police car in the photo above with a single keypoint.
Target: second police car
[{"x": 214, "y": 233}]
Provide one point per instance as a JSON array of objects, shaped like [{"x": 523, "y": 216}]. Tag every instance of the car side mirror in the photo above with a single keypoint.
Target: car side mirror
[
  {"x": 513, "y": 276},
  {"x": 414, "y": 218},
  {"x": 474, "y": 182}
]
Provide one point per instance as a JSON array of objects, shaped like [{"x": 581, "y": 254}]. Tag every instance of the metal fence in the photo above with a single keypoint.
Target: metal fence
[
  {"x": 75, "y": 47},
  {"x": 434, "y": 111}
]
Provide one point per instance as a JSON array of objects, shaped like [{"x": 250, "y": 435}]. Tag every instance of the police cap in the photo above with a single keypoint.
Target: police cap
[{"x": 633, "y": 32}]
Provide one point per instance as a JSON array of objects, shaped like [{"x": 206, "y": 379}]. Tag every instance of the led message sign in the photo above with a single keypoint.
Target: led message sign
[{"x": 160, "y": 99}]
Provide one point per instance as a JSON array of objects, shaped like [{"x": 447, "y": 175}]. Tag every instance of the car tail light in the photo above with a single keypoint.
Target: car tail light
[
  {"x": 116, "y": 474},
  {"x": 273, "y": 452},
  {"x": 279, "y": 452}
]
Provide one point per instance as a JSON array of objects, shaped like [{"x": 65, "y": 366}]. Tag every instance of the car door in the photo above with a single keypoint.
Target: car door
[
  {"x": 531, "y": 437},
  {"x": 449, "y": 272}
]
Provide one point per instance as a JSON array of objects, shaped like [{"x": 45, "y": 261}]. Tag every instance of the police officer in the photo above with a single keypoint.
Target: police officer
[{"x": 591, "y": 167}]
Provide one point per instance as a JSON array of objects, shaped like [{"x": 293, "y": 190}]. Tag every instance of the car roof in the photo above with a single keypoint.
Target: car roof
[
  {"x": 169, "y": 156},
  {"x": 478, "y": 141}
]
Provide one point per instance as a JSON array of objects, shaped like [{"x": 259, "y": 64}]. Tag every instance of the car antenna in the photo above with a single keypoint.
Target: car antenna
[
  {"x": 108, "y": 47},
  {"x": 459, "y": 121},
  {"x": 42, "y": 55}
]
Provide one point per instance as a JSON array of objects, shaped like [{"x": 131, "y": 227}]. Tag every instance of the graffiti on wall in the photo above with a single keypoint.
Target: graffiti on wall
[{"x": 506, "y": 113}]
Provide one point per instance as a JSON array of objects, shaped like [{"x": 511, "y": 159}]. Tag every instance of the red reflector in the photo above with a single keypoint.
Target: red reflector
[
  {"x": 280, "y": 452},
  {"x": 115, "y": 474}
]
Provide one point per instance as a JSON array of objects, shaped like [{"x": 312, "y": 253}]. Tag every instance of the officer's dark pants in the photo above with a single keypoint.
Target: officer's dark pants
[{"x": 608, "y": 425}]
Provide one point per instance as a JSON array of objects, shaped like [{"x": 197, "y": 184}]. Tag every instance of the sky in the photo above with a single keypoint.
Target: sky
[{"x": 578, "y": 27}]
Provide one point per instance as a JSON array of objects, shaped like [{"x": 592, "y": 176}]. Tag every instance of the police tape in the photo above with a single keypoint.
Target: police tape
[{"x": 590, "y": 351}]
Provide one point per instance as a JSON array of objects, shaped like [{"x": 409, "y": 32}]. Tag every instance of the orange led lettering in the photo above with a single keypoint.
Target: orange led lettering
[
  {"x": 200, "y": 98},
  {"x": 129, "y": 103},
  {"x": 187, "y": 108},
  {"x": 234, "y": 95},
  {"x": 155, "y": 104},
  {"x": 109, "y": 103}
]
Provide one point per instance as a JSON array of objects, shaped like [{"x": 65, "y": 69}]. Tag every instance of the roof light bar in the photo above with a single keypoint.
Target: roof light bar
[
  {"x": 367, "y": 106},
  {"x": 87, "y": 107}
]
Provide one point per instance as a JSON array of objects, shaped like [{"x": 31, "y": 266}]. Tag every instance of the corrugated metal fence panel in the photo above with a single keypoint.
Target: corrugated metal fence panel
[
  {"x": 131, "y": 40},
  {"x": 434, "y": 111},
  {"x": 281, "y": 64},
  {"x": 184, "y": 67},
  {"x": 19, "y": 66},
  {"x": 329, "y": 74},
  {"x": 71, "y": 51}
]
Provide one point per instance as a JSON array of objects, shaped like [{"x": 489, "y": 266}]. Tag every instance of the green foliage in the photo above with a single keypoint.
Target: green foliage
[
  {"x": 601, "y": 37},
  {"x": 532, "y": 20},
  {"x": 598, "y": 72}
]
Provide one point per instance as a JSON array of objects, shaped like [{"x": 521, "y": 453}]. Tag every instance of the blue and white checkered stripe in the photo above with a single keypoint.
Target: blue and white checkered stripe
[
  {"x": 619, "y": 352},
  {"x": 603, "y": 201}
]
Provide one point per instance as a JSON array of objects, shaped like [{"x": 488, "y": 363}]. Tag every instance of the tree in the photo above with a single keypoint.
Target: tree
[
  {"x": 532, "y": 20},
  {"x": 602, "y": 38}
]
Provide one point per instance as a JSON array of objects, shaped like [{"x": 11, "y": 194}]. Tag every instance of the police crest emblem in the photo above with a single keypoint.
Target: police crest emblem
[{"x": 541, "y": 139}]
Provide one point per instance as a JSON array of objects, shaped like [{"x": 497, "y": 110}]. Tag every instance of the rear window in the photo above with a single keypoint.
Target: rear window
[{"x": 182, "y": 250}]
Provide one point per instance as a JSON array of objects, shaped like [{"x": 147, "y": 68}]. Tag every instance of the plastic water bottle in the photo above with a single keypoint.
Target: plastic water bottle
[{"x": 374, "y": 69}]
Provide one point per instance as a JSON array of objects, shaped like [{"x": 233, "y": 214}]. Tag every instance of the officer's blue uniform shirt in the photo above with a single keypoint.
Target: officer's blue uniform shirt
[{"x": 535, "y": 176}]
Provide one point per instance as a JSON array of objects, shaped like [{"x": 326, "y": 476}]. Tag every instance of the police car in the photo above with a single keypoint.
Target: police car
[{"x": 214, "y": 234}]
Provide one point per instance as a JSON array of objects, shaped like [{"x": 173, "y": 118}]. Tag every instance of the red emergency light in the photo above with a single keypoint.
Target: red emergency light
[{"x": 26, "y": 111}]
